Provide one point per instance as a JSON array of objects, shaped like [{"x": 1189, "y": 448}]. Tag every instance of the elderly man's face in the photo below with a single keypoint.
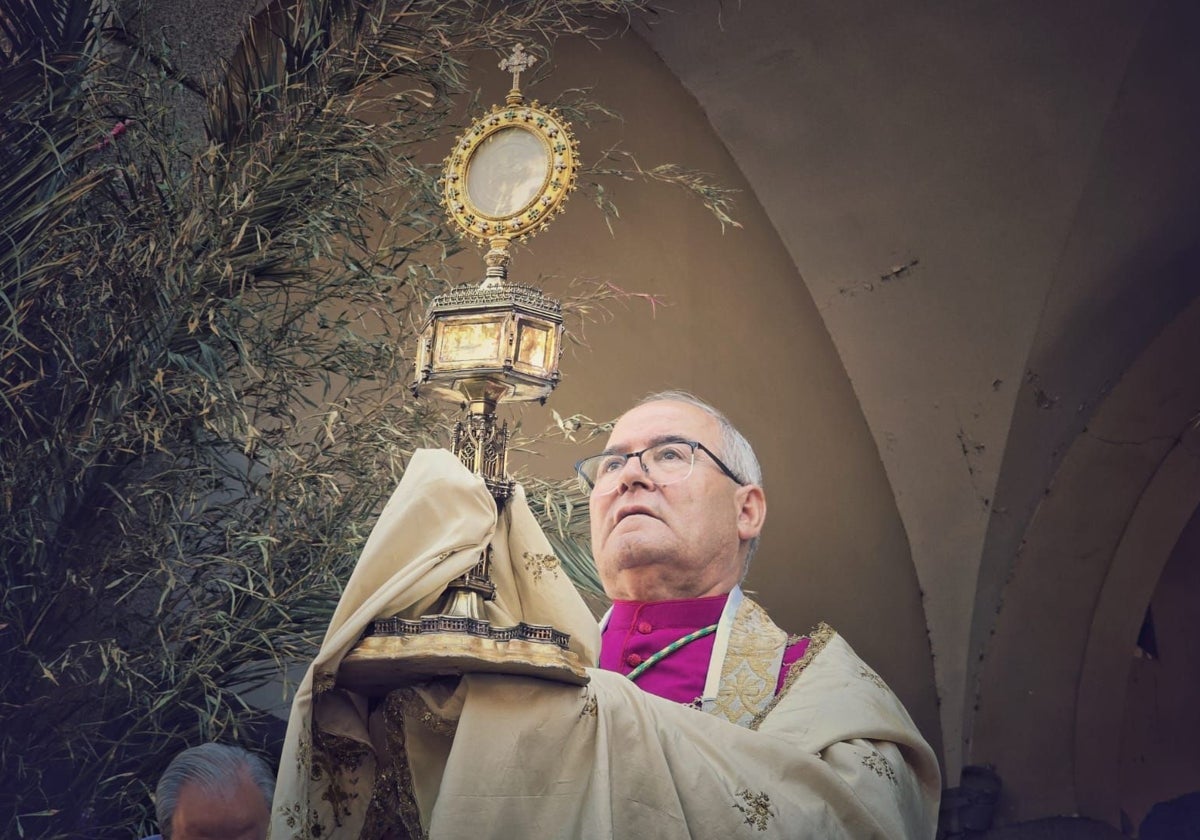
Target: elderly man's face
[
  {"x": 684, "y": 540},
  {"x": 240, "y": 814}
]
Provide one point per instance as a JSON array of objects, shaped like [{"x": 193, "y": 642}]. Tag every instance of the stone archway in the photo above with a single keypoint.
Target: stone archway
[
  {"x": 1054, "y": 677},
  {"x": 1163, "y": 511}
]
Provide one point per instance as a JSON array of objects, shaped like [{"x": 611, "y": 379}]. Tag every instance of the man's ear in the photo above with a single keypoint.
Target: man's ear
[{"x": 752, "y": 511}]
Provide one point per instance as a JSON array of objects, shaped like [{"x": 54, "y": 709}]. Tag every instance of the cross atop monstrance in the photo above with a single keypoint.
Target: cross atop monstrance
[
  {"x": 517, "y": 63},
  {"x": 507, "y": 175}
]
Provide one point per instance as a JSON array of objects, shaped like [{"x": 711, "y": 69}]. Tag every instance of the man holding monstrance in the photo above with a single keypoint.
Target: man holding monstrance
[{"x": 454, "y": 694}]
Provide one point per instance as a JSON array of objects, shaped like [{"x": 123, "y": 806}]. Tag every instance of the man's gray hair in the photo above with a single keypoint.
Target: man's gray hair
[
  {"x": 736, "y": 451},
  {"x": 217, "y": 769}
]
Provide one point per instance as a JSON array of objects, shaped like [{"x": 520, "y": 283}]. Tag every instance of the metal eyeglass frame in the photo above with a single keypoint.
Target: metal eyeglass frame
[{"x": 693, "y": 444}]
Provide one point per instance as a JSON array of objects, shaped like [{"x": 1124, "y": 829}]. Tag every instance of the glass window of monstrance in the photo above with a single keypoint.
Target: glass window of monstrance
[{"x": 507, "y": 172}]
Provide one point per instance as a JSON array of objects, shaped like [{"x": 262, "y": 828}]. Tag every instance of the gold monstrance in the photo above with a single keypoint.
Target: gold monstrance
[{"x": 508, "y": 174}]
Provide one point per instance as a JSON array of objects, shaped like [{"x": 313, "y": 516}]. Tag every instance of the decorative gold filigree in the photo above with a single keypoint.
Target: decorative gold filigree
[
  {"x": 871, "y": 677},
  {"x": 304, "y": 762},
  {"x": 339, "y": 760},
  {"x": 323, "y": 681},
  {"x": 817, "y": 640},
  {"x": 317, "y": 767},
  {"x": 417, "y": 709},
  {"x": 757, "y": 808},
  {"x": 546, "y": 131},
  {"x": 481, "y": 445},
  {"x": 315, "y": 827},
  {"x": 393, "y": 812},
  {"x": 876, "y": 762},
  {"x": 750, "y": 671},
  {"x": 291, "y": 814},
  {"x": 304, "y": 827},
  {"x": 536, "y": 564},
  {"x": 590, "y": 707}
]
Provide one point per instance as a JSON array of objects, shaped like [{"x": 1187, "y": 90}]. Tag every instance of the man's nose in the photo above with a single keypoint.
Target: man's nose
[{"x": 632, "y": 473}]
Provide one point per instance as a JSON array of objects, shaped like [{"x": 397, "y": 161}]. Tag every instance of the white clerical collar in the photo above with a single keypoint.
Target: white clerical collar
[{"x": 716, "y": 662}]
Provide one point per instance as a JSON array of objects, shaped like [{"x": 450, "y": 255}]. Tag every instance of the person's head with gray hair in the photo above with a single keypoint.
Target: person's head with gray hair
[
  {"x": 735, "y": 449},
  {"x": 215, "y": 790},
  {"x": 676, "y": 501}
]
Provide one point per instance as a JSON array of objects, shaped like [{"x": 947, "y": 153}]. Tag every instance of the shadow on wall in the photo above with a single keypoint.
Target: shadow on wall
[{"x": 1175, "y": 819}]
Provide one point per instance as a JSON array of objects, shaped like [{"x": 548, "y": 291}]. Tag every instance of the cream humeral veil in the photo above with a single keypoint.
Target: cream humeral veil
[{"x": 496, "y": 756}]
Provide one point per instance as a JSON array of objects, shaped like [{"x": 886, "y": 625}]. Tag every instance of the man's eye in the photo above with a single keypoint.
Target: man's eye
[
  {"x": 670, "y": 453},
  {"x": 611, "y": 465}
]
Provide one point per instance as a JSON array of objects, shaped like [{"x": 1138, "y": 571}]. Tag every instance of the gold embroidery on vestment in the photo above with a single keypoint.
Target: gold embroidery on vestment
[
  {"x": 338, "y": 760},
  {"x": 393, "y": 811},
  {"x": 411, "y": 704},
  {"x": 326, "y": 761},
  {"x": 536, "y": 564},
  {"x": 750, "y": 671},
  {"x": 871, "y": 677},
  {"x": 304, "y": 762},
  {"x": 323, "y": 681},
  {"x": 876, "y": 762},
  {"x": 757, "y": 808},
  {"x": 817, "y": 640},
  {"x": 305, "y": 823},
  {"x": 590, "y": 707},
  {"x": 309, "y": 828}
]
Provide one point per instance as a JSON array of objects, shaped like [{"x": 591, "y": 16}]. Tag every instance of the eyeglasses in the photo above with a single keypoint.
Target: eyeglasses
[{"x": 663, "y": 463}]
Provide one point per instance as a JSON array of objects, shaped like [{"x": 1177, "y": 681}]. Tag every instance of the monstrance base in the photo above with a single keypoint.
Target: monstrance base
[{"x": 381, "y": 663}]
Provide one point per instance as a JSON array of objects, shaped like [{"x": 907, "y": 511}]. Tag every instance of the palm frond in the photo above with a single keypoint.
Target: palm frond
[{"x": 47, "y": 50}]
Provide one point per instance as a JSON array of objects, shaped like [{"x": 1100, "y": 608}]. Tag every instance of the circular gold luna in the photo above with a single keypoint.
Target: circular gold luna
[{"x": 510, "y": 172}]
